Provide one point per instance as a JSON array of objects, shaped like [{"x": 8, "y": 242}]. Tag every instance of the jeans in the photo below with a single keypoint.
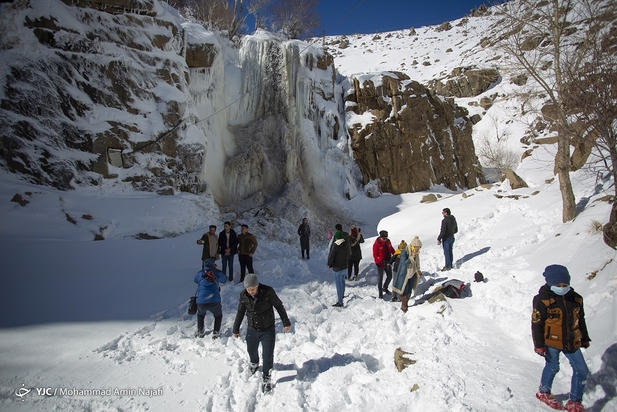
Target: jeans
[
  {"x": 266, "y": 337},
  {"x": 579, "y": 372},
  {"x": 380, "y": 271},
  {"x": 448, "y": 244},
  {"x": 208, "y": 263},
  {"x": 246, "y": 262},
  {"x": 215, "y": 309},
  {"x": 228, "y": 259},
  {"x": 355, "y": 265},
  {"x": 339, "y": 281}
]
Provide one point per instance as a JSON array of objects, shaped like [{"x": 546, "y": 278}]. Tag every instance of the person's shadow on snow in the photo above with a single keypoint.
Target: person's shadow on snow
[
  {"x": 310, "y": 370},
  {"x": 470, "y": 256},
  {"x": 606, "y": 378}
]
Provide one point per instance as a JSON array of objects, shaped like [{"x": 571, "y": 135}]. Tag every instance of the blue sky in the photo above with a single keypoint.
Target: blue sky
[{"x": 373, "y": 16}]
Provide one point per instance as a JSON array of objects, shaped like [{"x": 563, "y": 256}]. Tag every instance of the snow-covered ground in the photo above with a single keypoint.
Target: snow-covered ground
[
  {"x": 110, "y": 315},
  {"x": 79, "y": 314}
]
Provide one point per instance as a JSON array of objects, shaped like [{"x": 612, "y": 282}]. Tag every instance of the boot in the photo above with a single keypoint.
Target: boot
[{"x": 404, "y": 302}]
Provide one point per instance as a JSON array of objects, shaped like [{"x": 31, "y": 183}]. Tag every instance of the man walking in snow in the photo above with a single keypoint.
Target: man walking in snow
[
  {"x": 382, "y": 252},
  {"x": 210, "y": 251},
  {"x": 228, "y": 247},
  {"x": 446, "y": 237},
  {"x": 304, "y": 231},
  {"x": 257, "y": 302},
  {"x": 558, "y": 326},
  {"x": 247, "y": 244}
]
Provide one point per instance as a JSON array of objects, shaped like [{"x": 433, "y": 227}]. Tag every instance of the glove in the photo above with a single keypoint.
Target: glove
[
  {"x": 585, "y": 344},
  {"x": 540, "y": 351}
]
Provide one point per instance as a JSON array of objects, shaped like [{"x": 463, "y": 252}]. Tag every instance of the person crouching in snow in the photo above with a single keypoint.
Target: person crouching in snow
[
  {"x": 558, "y": 326},
  {"x": 408, "y": 272},
  {"x": 209, "y": 299}
]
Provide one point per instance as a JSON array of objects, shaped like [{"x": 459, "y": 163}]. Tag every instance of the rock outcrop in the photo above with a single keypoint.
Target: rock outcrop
[
  {"x": 409, "y": 138},
  {"x": 98, "y": 92},
  {"x": 465, "y": 82}
]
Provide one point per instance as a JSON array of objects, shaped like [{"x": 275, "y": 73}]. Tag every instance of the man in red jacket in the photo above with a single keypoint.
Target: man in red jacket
[{"x": 382, "y": 252}]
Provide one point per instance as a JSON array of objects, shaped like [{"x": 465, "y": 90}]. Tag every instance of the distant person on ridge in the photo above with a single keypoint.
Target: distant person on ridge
[
  {"x": 382, "y": 252},
  {"x": 304, "y": 231},
  {"x": 558, "y": 326},
  {"x": 210, "y": 251},
  {"x": 356, "y": 253},
  {"x": 247, "y": 244},
  {"x": 338, "y": 259},
  {"x": 446, "y": 237},
  {"x": 228, "y": 247},
  {"x": 209, "y": 299},
  {"x": 257, "y": 302}
]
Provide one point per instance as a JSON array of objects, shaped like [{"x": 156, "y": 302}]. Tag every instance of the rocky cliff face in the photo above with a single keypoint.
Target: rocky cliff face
[
  {"x": 132, "y": 94},
  {"x": 89, "y": 94},
  {"x": 408, "y": 138}
]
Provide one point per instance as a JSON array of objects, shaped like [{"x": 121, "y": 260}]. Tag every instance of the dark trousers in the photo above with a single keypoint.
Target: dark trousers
[
  {"x": 380, "y": 282},
  {"x": 228, "y": 260},
  {"x": 304, "y": 245},
  {"x": 215, "y": 309},
  {"x": 266, "y": 338},
  {"x": 355, "y": 265},
  {"x": 246, "y": 262}
]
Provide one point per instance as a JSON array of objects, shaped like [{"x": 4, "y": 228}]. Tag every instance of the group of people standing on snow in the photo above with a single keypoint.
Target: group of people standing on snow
[
  {"x": 558, "y": 319},
  {"x": 227, "y": 245}
]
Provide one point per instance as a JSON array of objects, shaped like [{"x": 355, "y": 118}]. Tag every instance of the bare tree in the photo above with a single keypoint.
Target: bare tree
[
  {"x": 222, "y": 15},
  {"x": 259, "y": 10},
  {"x": 537, "y": 36},
  {"x": 295, "y": 17},
  {"x": 592, "y": 96}
]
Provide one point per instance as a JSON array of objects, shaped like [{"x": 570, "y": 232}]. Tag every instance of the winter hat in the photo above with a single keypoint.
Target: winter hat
[
  {"x": 338, "y": 235},
  {"x": 415, "y": 242},
  {"x": 383, "y": 233},
  {"x": 250, "y": 280},
  {"x": 555, "y": 274},
  {"x": 402, "y": 245},
  {"x": 479, "y": 277}
]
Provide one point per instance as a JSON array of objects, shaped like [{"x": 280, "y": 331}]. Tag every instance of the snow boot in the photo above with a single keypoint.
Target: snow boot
[
  {"x": 404, "y": 303},
  {"x": 254, "y": 367},
  {"x": 266, "y": 386},
  {"x": 550, "y": 400},
  {"x": 574, "y": 407}
]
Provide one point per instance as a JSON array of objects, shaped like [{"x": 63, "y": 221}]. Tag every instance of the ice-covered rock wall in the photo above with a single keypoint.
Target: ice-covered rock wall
[{"x": 271, "y": 113}]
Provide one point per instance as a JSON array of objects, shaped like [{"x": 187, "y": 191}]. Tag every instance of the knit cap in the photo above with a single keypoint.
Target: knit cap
[
  {"x": 250, "y": 280},
  {"x": 402, "y": 245},
  {"x": 555, "y": 274},
  {"x": 415, "y": 242},
  {"x": 383, "y": 233}
]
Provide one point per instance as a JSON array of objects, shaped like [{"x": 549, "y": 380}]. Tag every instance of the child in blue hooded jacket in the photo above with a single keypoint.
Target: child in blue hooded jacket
[{"x": 209, "y": 299}]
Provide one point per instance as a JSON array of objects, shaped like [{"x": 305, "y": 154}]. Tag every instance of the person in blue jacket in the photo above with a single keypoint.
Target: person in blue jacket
[{"x": 209, "y": 299}]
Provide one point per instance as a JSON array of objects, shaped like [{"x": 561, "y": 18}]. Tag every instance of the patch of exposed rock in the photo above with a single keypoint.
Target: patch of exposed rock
[
  {"x": 415, "y": 138},
  {"x": 466, "y": 82}
]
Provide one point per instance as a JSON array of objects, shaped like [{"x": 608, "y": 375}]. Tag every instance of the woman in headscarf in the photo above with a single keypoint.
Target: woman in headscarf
[{"x": 408, "y": 273}]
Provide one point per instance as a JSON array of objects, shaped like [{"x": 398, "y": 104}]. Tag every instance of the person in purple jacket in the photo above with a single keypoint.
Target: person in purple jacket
[{"x": 209, "y": 299}]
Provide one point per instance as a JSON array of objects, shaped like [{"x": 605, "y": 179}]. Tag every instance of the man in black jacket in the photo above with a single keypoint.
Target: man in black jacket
[
  {"x": 228, "y": 247},
  {"x": 257, "y": 302},
  {"x": 446, "y": 237}
]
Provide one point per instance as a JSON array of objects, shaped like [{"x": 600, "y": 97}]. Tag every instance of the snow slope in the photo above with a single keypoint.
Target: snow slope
[{"x": 79, "y": 315}]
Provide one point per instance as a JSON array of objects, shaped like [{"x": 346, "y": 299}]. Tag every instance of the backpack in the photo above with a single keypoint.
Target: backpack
[{"x": 452, "y": 288}]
